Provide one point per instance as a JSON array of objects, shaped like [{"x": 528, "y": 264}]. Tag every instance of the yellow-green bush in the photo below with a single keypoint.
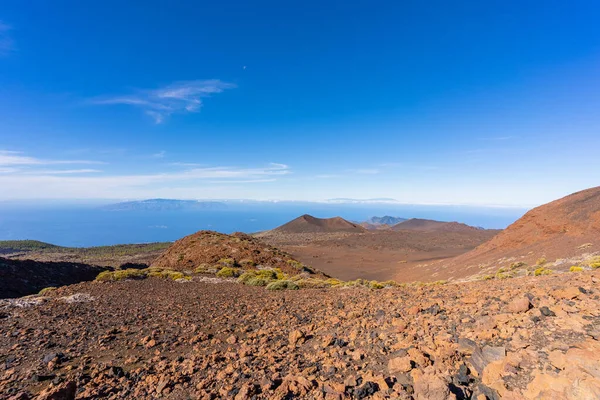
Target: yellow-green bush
[
  {"x": 247, "y": 263},
  {"x": 488, "y": 277},
  {"x": 282, "y": 285},
  {"x": 541, "y": 261},
  {"x": 47, "y": 290},
  {"x": 256, "y": 281},
  {"x": 576, "y": 268},
  {"x": 121, "y": 275},
  {"x": 542, "y": 271},
  {"x": 594, "y": 262},
  {"x": 229, "y": 272},
  {"x": 227, "y": 262},
  {"x": 375, "y": 285},
  {"x": 518, "y": 264},
  {"x": 259, "y": 276},
  {"x": 168, "y": 274}
]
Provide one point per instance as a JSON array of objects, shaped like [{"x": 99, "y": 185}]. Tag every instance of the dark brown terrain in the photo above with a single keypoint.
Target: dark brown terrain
[
  {"x": 23, "y": 277},
  {"x": 106, "y": 256},
  {"x": 526, "y": 338},
  {"x": 428, "y": 225},
  {"x": 382, "y": 254}
]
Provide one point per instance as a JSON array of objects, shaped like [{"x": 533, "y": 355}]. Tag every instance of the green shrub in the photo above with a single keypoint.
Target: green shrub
[
  {"x": 228, "y": 262},
  {"x": 375, "y": 285},
  {"x": 168, "y": 274},
  {"x": 518, "y": 264},
  {"x": 576, "y": 268},
  {"x": 229, "y": 272},
  {"x": 488, "y": 277},
  {"x": 259, "y": 275},
  {"x": 501, "y": 270},
  {"x": 247, "y": 263},
  {"x": 541, "y": 261},
  {"x": 121, "y": 275},
  {"x": 595, "y": 265},
  {"x": 282, "y": 285},
  {"x": 542, "y": 271},
  {"x": 258, "y": 282},
  {"x": 47, "y": 290}
]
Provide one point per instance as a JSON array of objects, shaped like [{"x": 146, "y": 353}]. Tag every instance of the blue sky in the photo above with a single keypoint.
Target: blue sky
[{"x": 466, "y": 102}]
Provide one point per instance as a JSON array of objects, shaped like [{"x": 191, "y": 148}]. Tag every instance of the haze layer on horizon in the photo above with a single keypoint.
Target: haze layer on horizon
[{"x": 464, "y": 103}]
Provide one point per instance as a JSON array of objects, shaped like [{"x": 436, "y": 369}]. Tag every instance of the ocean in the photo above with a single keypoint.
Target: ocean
[{"x": 85, "y": 225}]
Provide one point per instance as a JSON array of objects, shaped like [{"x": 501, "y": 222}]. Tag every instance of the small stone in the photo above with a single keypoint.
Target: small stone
[
  {"x": 546, "y": 312},
  {"x": 519, "y": 305},
  {"x": 400, "y": 364}
]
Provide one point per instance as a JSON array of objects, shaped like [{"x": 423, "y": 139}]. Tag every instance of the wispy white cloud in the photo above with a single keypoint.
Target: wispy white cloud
[
  {"x": 178, "y": 97},
  {"x": 7, "y": 44},
  {"x": 60, "y": 171},
  {"x": 16, "y": 158},
  {"x": 29, "y": 181},
  {"x": 160, "y": 154}
]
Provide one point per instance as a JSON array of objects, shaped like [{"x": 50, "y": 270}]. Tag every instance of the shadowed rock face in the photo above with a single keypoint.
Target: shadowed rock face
[{"x": 23, "y": 277}]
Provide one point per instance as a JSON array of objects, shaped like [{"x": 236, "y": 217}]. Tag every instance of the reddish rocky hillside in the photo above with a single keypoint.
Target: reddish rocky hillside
[
  {"x": 209, "y": 248},
  {"x": 565, "y": 228},
  {"x": 309, "y": 224},
  {"x": 557, "y": 235}
]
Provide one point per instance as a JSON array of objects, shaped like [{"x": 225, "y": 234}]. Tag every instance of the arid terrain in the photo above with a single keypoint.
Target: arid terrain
[
  {"x": 528, "y": 338},
  {"x": 398, "y": 252},
  {"x": 220, "y": 316}
]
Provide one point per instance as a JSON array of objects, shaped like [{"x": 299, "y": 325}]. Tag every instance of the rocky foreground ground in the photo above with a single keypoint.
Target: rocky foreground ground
[{"x": 532, "y": 338}]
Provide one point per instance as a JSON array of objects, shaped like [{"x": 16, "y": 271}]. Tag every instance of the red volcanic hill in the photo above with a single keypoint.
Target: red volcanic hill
[
  {"x": 568, "y": 228},
  {"x": 309, "y": 224},
  {"x": 556, "y": 229},
  {"x": 209, "y": 248},
  {"x": 417, "y": 224}
]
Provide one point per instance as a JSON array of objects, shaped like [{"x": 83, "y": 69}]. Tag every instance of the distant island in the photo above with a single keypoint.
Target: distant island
[{"x": 165, "y": 205}]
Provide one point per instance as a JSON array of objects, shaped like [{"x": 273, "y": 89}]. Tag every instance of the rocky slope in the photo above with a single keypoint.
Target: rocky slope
[
  {"x": 528, "y": 338},
  {"x": 564, "y": 233},
  {"x": 309, "y": 224},
  {"x": 23, "y": 277}
]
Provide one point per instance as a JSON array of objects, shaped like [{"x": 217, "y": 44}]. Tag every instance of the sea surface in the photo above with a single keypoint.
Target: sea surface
[{"x": 85, "y": 225}]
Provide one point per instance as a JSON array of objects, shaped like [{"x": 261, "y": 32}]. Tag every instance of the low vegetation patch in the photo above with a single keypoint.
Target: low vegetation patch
[
  {"x": 229, "y": 272},
  {"x": 575, "y": 268},
  {"x": 47, "y": 290},
  {"x": 130, "y": 274},
  {"x": 542, "y": 271},
  {"x": 518, "y": 264},
  {"x": 541, "y": 261},
  {"x": 283, "y": 285}
]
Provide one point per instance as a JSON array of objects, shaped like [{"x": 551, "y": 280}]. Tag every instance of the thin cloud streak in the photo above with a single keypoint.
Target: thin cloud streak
[
  {"x": 16, "y": 158},
  {"x": 179, "y": 97},
  {"x": 67, "y": 184}
]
